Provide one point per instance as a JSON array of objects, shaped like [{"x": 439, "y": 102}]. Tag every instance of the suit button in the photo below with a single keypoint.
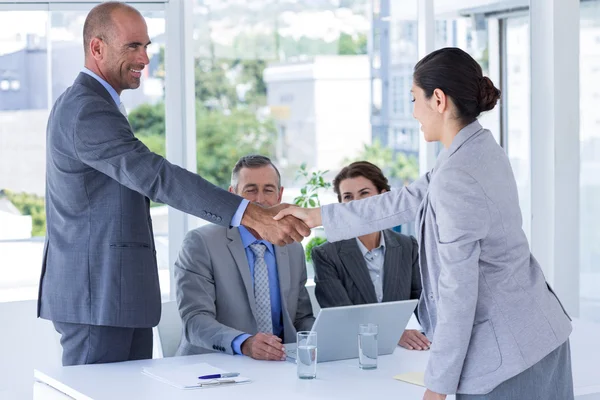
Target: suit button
[
  {"x": 431, "y": 297},
  {"x": 219, "y": 219},
  {"x": 214, "y": 347},
  {"x": 203, "y": 213}
]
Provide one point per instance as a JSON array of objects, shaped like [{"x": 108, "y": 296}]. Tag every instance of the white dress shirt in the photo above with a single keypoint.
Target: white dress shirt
[{"x": 374, "y": 260}]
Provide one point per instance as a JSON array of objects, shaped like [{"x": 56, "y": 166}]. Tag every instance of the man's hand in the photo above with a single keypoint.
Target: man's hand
[
  {"x": 310, "y": 216},
  {"x": 264, "y": 346},
  {"x": 280, "y": 233},
  {"x": 429, "y": 395},
  {"x": 414, "y": 340}
]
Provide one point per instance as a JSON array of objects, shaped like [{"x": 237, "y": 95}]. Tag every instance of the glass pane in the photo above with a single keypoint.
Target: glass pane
[
  {"x": 41, "y": 54},
  {"x": 289, "y": 80},
  {"x": 518, "y": 111},
  {"x": 590, "y": 162},
  {"x": 23, "y": 117}
]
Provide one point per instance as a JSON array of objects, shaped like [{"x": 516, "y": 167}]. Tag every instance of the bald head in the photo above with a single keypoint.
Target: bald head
[{"x": 100, "y": 22}]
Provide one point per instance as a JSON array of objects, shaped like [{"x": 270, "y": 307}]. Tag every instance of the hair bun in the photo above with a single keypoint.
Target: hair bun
[{"x": 488, "y": 94}]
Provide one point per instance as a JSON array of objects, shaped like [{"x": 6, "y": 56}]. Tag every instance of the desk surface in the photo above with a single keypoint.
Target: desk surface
[{"x": 272, "y": 380}]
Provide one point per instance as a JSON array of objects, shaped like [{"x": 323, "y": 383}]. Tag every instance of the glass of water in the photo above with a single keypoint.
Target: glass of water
[
  {"x": 367, "y": 346},
  {"x": 306, "y": 354}
]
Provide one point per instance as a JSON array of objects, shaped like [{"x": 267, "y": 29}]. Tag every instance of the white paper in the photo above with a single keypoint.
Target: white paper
[{"x": 186, "y": 376}]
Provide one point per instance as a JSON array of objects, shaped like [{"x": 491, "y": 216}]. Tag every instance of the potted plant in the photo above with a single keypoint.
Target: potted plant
[{"x": 308, "y": 198}]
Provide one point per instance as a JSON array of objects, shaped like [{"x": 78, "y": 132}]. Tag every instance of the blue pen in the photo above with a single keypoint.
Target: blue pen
[{"x": 217, "y": 376}]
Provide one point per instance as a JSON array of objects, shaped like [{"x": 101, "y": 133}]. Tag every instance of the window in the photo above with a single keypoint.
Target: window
[
  {"x": 516, "y": 93},
  {"x": 289, "y": 80},
  {"x": 40, "y": 56},
  {"x": 589, "y": 211}
]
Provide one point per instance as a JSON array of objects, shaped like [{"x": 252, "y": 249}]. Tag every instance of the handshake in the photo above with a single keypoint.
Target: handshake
[{"x": 282, "y": 224}]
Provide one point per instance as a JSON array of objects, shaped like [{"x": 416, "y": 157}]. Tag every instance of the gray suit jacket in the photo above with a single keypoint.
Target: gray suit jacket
[
  {"x": 342, "y": 277},
  {"x": 215, "y": 293},
  {"x": 99, "y": 263},
  {"x": 485, "y": 302}
]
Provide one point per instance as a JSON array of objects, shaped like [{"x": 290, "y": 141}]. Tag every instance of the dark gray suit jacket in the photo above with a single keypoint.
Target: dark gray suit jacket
[
  {"x": 215, "y": 293},
  {"x": 99, "y": 263},
  {"x": 342, "y": 277}
]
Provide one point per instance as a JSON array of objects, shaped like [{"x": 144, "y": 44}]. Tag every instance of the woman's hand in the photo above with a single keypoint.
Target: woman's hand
[
  {"x": 414, "y": 340},
  {"x": 429, "y": 395},
  {"x": 310, "y": 216}
]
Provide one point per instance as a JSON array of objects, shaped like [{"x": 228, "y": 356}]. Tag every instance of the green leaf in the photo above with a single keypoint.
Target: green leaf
[{"x": 312, "y": 203}]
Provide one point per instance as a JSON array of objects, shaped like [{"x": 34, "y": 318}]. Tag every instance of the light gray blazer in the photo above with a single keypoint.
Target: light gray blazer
[
  {"x": 485, "y": 303},
  {"x": 342, "y": 277},
  {"x": 99, "y": 264},
  {"x": 216, "y": 296}
]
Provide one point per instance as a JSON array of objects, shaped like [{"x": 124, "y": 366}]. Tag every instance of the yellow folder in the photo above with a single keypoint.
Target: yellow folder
[{"x": 415, "y": 378}]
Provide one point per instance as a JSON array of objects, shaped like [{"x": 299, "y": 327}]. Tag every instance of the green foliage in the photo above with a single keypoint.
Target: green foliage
[
  {"x": 30, "y": 204},
  {"x": 309, "y": 193},
  {"x": 348, "y": 45},
  {"x": 148, "y": 120},
  {"x": 213, "y": 87},
  {"x": 314, "y": 242},
  {"x": 222, "y": 139},
  {"x": 156, "y": 143},
  {"x": 395, "y": 167}
]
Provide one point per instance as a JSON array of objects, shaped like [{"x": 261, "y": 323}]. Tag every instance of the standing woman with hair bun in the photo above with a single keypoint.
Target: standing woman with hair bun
[{"x": 497, "y": 329}]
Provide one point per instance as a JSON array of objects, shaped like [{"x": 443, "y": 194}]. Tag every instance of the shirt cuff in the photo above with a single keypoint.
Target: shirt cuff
[
  {"x": 237, "y": 217},
  {"x": 236, "y": 344}
]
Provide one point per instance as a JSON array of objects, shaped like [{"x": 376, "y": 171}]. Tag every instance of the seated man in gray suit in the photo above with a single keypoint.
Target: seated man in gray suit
[
  {"x": 238, "y": 293},
  {"x": 381, "y": 266}
]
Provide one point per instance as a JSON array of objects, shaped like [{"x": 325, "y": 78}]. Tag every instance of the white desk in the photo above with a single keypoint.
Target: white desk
[{"x": 272, "y": 380}]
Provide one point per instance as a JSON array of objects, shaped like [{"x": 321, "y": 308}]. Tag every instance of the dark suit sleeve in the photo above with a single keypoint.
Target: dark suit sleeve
[
  {"x": 416, "y": 286},
  {"x": 104, "y": 141},
  {"x": 329, "y": 290},
  {"x": 304, "y": 319}
]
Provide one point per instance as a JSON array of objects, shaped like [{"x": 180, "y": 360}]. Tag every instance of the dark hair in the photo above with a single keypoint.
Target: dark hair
[
  {"x": 361, "y": 168},
  {"x": 459, "y": 76},
  {"x": 252, "y": 161},
  {"x": 99, "y": 22}
]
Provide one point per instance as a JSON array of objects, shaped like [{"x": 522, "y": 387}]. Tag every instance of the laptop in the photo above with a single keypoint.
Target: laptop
[{"x": 337, "y": 329}]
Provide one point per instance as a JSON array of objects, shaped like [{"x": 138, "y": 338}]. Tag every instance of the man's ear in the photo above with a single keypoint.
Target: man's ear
[
  {"x": 231, "y": 190},
  {"x": 97, "y": 48},
  {"x": 280, "y": 195}
]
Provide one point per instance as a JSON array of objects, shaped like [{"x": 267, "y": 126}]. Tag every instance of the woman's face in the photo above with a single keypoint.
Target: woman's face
[
  {"x": 357, "y": 188},
  {"x": 429, "y": 112}
]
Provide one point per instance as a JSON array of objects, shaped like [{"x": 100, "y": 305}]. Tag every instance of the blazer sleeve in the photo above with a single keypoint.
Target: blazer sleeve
[
  {"x": 103, "y": 140},
  {"x": 360, "y": 217},
  {"x": 196, "y": 296},
  {"x": 304, "y": 319},
  {"x": 329, "y": 290},
  {"x": 463, "y": 220}
]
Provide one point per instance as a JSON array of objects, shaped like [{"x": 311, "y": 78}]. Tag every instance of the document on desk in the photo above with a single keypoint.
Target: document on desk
[
  {"x": 415, "y": 378},
  {"x": 186, "y": 376}
]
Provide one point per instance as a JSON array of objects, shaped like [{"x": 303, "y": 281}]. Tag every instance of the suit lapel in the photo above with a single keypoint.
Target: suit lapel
[
  {"x": 238, "y": 253},
  {"x": 356, "y": 267},
  {"x": 394, "y": 275},
  {"x": 283, "y": 272}
]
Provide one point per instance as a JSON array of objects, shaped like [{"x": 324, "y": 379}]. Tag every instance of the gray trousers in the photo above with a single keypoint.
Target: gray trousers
[
  {"x": 93, "y": 344},
  {"x": 549, "y": 379}
]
